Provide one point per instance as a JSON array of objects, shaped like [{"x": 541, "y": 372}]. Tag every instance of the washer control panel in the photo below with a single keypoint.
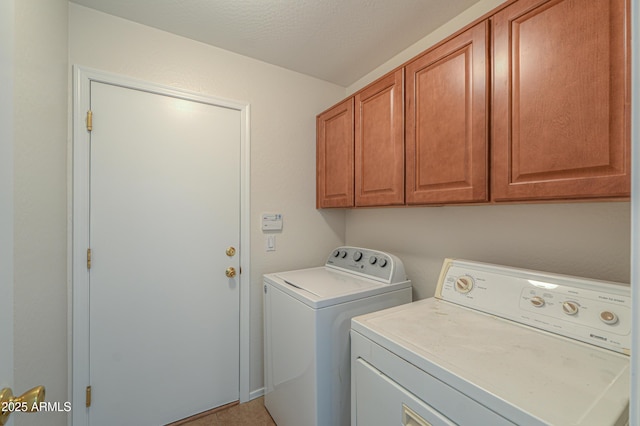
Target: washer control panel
[
  {"x": 592, "y": 311},
  {"x": 369, "y": 263}
]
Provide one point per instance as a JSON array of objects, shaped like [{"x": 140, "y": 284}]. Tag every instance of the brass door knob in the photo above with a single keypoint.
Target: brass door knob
[
  {"x": 230, "y": 251},
  {"x": 26, "y": 403},
  {"x": 230, "y": 272}
]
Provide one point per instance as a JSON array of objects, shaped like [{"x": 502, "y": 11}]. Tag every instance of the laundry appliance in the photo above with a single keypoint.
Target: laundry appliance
[
  {"x": 496, "y": 346},
  {"x": 307, "y": 316}
]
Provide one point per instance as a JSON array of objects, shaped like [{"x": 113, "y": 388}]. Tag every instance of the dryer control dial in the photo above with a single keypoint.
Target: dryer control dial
[
  {"x": 464, "y": 284},
  {"x": 608, "y": 317},
  {"x": 357, "y": 256},
  {"x": 570, "y": 308},
  {"x": 537, "y": 301}
]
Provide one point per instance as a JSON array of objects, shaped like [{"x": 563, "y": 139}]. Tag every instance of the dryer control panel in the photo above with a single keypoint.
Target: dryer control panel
[
  {"x": 377, "y": 265},
  {"x": 592, "y": 311}
]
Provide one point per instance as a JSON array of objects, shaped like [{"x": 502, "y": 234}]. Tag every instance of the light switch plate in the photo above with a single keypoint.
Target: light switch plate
[{"x": 270, "y": 243}]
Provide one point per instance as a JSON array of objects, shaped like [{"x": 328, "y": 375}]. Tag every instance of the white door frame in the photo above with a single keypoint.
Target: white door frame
[{"x": 79, "y": 238}]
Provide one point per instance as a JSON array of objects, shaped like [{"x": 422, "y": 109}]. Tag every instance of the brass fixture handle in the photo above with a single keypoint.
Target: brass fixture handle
[
  {"x": 26, "y": 403},
  {"x": 230, "y": 272}
]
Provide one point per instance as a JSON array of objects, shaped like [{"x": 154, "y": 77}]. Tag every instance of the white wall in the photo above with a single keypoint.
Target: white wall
[
  {"x": 587, "y": 239},
  {"x": 6, "y": 192},
  {"x": 40, "y": 210},
  {"x": 283, "y": 109}
]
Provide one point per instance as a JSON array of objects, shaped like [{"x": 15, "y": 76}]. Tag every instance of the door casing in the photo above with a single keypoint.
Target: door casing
[{"x": 79, "y": 235}]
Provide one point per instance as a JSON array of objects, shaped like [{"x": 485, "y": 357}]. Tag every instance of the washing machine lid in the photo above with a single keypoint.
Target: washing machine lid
[{"x": 324, "y": 286}]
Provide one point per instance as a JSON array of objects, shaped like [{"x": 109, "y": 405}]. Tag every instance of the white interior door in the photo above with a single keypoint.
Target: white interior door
[{"x": 164, "y": 206}]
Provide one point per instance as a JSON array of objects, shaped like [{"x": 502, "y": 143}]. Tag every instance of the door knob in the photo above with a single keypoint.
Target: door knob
[
  {"x": 230, "y": 251},
  {"x": 26, "y": 403},
  {"x": 230, "y": 272}
]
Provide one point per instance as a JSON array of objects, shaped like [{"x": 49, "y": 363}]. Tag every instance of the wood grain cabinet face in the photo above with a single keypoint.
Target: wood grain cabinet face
[
  {"x": 447, "y": 121},
  {"x": 379, "y": 143},
  {"x": 334, "y": 156},
  {"x": 560, "y": 118}
]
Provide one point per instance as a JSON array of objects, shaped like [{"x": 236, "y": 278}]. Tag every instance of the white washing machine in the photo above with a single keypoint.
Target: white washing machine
[
  {"x": 496, "y": 346},
  {"x": 307, "y": 315}
]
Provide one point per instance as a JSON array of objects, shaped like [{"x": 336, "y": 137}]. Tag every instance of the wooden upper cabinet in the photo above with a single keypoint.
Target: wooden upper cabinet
[
  {"x": 560, "y": 126},
  {"x": 379, "y": 143},
  {"x": 447, "y": 121},
  {"x": 558, "y": 115},
  {"x": 334, "y": 156}
]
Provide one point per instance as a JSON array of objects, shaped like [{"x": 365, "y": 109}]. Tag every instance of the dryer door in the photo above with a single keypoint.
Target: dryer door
[{"x": 381, "y": 401}]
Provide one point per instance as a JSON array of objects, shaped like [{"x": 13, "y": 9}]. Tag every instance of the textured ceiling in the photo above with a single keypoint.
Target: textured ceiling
[{"x": 334, "y": 40}]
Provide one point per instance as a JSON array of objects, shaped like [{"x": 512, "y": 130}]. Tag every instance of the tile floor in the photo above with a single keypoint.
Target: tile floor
[{"x": 250, "y": 413}]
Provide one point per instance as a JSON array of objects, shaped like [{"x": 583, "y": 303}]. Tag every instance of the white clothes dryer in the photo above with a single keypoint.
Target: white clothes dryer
[
  {"x": 497, "y": 345},
  {"x": 307, "y": 317}
]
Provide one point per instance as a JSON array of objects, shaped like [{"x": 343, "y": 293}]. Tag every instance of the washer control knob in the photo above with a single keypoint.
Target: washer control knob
[
  {"x": 357, "y": 256},
  {"x": 343, "y": 254},
  {"x": 382, "y": 262},
  {"x": 608, "y": 317},
  {"x": 537, "y": 301},
  {"x": 336, "y": 253},
  {"x": 373, "y": 260},
  {"x": 570, "y": 308},
  {"x": 464, "y": 284}
]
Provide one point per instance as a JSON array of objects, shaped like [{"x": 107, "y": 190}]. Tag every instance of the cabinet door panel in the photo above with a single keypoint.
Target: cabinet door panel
[
  {"x": 334, "y": 156},
  {"x": 447, "y": 121},
  {"x": 560, "y": 111},
  {"x": 379, "y": 142}
]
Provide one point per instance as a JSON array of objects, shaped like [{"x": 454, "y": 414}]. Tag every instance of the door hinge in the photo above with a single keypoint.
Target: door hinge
[
  {"x": 89, "y": 120},
  {"x": 88, "y": 258},
  {"x": 88, "y": 397}
]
